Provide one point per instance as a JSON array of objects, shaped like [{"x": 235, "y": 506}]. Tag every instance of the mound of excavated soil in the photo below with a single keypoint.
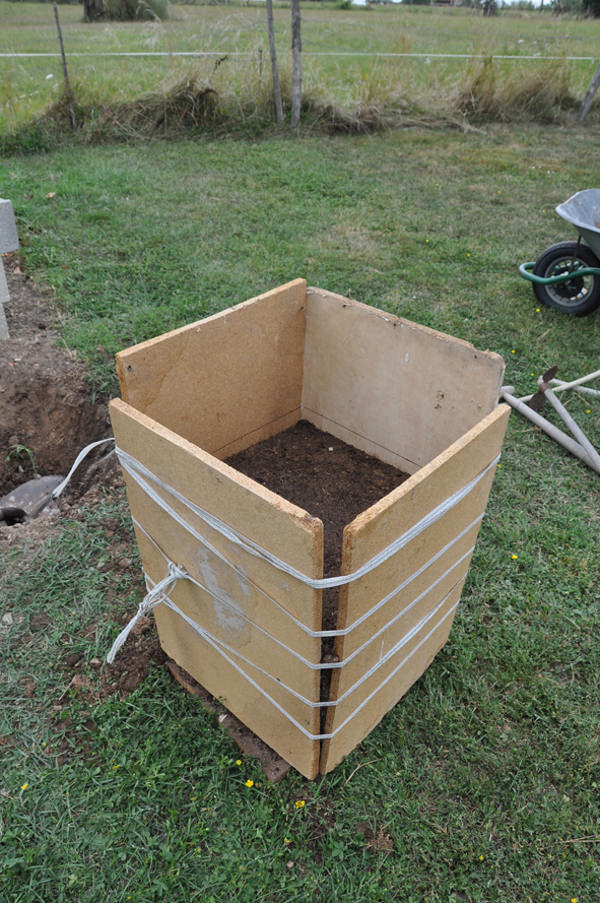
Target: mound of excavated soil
[{"x": 46, "y": 415}]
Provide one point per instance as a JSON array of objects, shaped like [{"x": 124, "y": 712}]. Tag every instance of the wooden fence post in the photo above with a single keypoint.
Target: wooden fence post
[
  {"x": 274, "y": 70},
  {"x": 296, "y": 65},
  {"x": 589, "y": 94}
]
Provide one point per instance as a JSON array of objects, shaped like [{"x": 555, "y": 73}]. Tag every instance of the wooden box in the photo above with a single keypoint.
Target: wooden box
[{"x": 246, "y": 628}]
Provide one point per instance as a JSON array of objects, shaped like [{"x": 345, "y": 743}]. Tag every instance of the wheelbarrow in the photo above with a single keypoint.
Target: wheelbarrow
[{"x": 567, "y": 275}]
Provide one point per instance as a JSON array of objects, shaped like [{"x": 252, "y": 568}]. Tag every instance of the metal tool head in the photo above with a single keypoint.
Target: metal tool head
[{"x": 537, "y": 401}]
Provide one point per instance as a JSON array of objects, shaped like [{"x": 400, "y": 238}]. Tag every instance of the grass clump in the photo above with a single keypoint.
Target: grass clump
[
  {"x": 490, "y": 95},
  {"x": 187, "y": 106},
  {"x": 208, "y": 100}
]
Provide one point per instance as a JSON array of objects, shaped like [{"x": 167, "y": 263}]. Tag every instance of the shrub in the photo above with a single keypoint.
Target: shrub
[{"x": 125, "y": 10}]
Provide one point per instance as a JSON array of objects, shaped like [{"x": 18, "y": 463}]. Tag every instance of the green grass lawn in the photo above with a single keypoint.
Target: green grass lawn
[
  {"x": 344, "y": 78},
  {"x": 482, "y": 784}
]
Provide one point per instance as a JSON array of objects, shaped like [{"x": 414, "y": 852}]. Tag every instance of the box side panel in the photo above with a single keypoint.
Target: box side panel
[
  {"x": 226, "y": 382},
  {"x": 394, "y": 389},
  {"x": 421, "y": 583},
  {"x": 249, "y": 646}
]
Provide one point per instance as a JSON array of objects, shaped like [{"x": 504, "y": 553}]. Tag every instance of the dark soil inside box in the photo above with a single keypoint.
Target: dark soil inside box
[{"x": 328, "y": 478}]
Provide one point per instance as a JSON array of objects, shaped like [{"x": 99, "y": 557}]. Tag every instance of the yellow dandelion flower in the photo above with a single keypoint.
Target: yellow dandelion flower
[
  {"x": 514, "y": 557},
  {"x": 299, "y": 804},
  {"x": 249, "y": 783},
  {"x": 573, "y": 899},
  {"x": 481, "y": 858},
  {"x": 513, "y": 351},
  {"x": 25, "y": 785},
  {"x": 238, "y": 761},
  {"x": 286, "y": 841}
]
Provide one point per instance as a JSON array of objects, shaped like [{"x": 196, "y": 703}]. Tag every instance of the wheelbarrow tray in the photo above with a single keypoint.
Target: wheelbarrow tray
[{"x": 582, "y": 210}]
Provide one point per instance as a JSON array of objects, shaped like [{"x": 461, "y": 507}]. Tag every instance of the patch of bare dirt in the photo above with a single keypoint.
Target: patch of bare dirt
[
  {"x": 93, "y": 680},
  {"x": 46, "y": 418},
  {"x": 46, "y": 414}
]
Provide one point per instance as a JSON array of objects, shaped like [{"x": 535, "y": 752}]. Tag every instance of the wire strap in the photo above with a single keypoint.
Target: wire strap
[
  {"x": 80, "y": 457},
  {"x": 142, "y": 475},
  {"x": 159, "y": 593},
  {"x": 153, "y": 598},
  {"x": 314, "y": 666}
]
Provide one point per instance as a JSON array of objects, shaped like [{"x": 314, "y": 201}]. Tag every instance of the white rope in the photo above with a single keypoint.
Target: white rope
[
  {"x": 150, "y": 600},
  {"x": 159, "y": 592},
  {"x": 345, "y": 631},
  {"x": 157, "y": 595},
  {"x": 80, "y": 457},
  {"x": 320, "y": 666},
  {"x": 142, "y": 474},
  {"x": 389, "y": 677}
]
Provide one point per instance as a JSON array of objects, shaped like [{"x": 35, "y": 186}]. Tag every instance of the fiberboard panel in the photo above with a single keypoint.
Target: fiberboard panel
[
  {"x": 395, "y": 389},
  {"x": 273, "y": 523},
  {"x": 410, "y": 627},
  {"x": 226, "y": 382}
]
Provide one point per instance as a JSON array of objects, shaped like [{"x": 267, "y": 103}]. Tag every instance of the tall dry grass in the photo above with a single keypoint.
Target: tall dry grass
[
  {"x": 489, "y": 93},
  {"x": 234, "y": 95}
]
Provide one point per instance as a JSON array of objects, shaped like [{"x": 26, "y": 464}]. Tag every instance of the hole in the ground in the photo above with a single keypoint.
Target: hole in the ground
[{"x": 44, "y": 423}]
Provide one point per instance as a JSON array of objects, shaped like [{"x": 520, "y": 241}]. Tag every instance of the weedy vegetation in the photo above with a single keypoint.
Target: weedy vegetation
[{"x": 365, "y": 69}]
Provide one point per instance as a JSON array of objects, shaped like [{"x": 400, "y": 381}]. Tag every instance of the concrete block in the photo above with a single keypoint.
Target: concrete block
[{"x": 9, "y": 240}]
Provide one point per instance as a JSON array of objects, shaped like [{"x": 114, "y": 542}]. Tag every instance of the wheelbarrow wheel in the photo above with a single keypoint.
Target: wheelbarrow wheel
[{"x": 577, "y": 296}]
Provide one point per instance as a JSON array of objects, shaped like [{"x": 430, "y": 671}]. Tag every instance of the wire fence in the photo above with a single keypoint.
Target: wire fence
[{"x": 317, "y": 53}]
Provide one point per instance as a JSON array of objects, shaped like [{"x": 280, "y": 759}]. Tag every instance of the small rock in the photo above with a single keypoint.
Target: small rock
[
  {"x": 80, "y": 682},
  {"x": 32, "y": 496},
  {"x": 73, "y": 659},
  {"x": 7, "y": 619},
  {"x": 40, "y": 622}
]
